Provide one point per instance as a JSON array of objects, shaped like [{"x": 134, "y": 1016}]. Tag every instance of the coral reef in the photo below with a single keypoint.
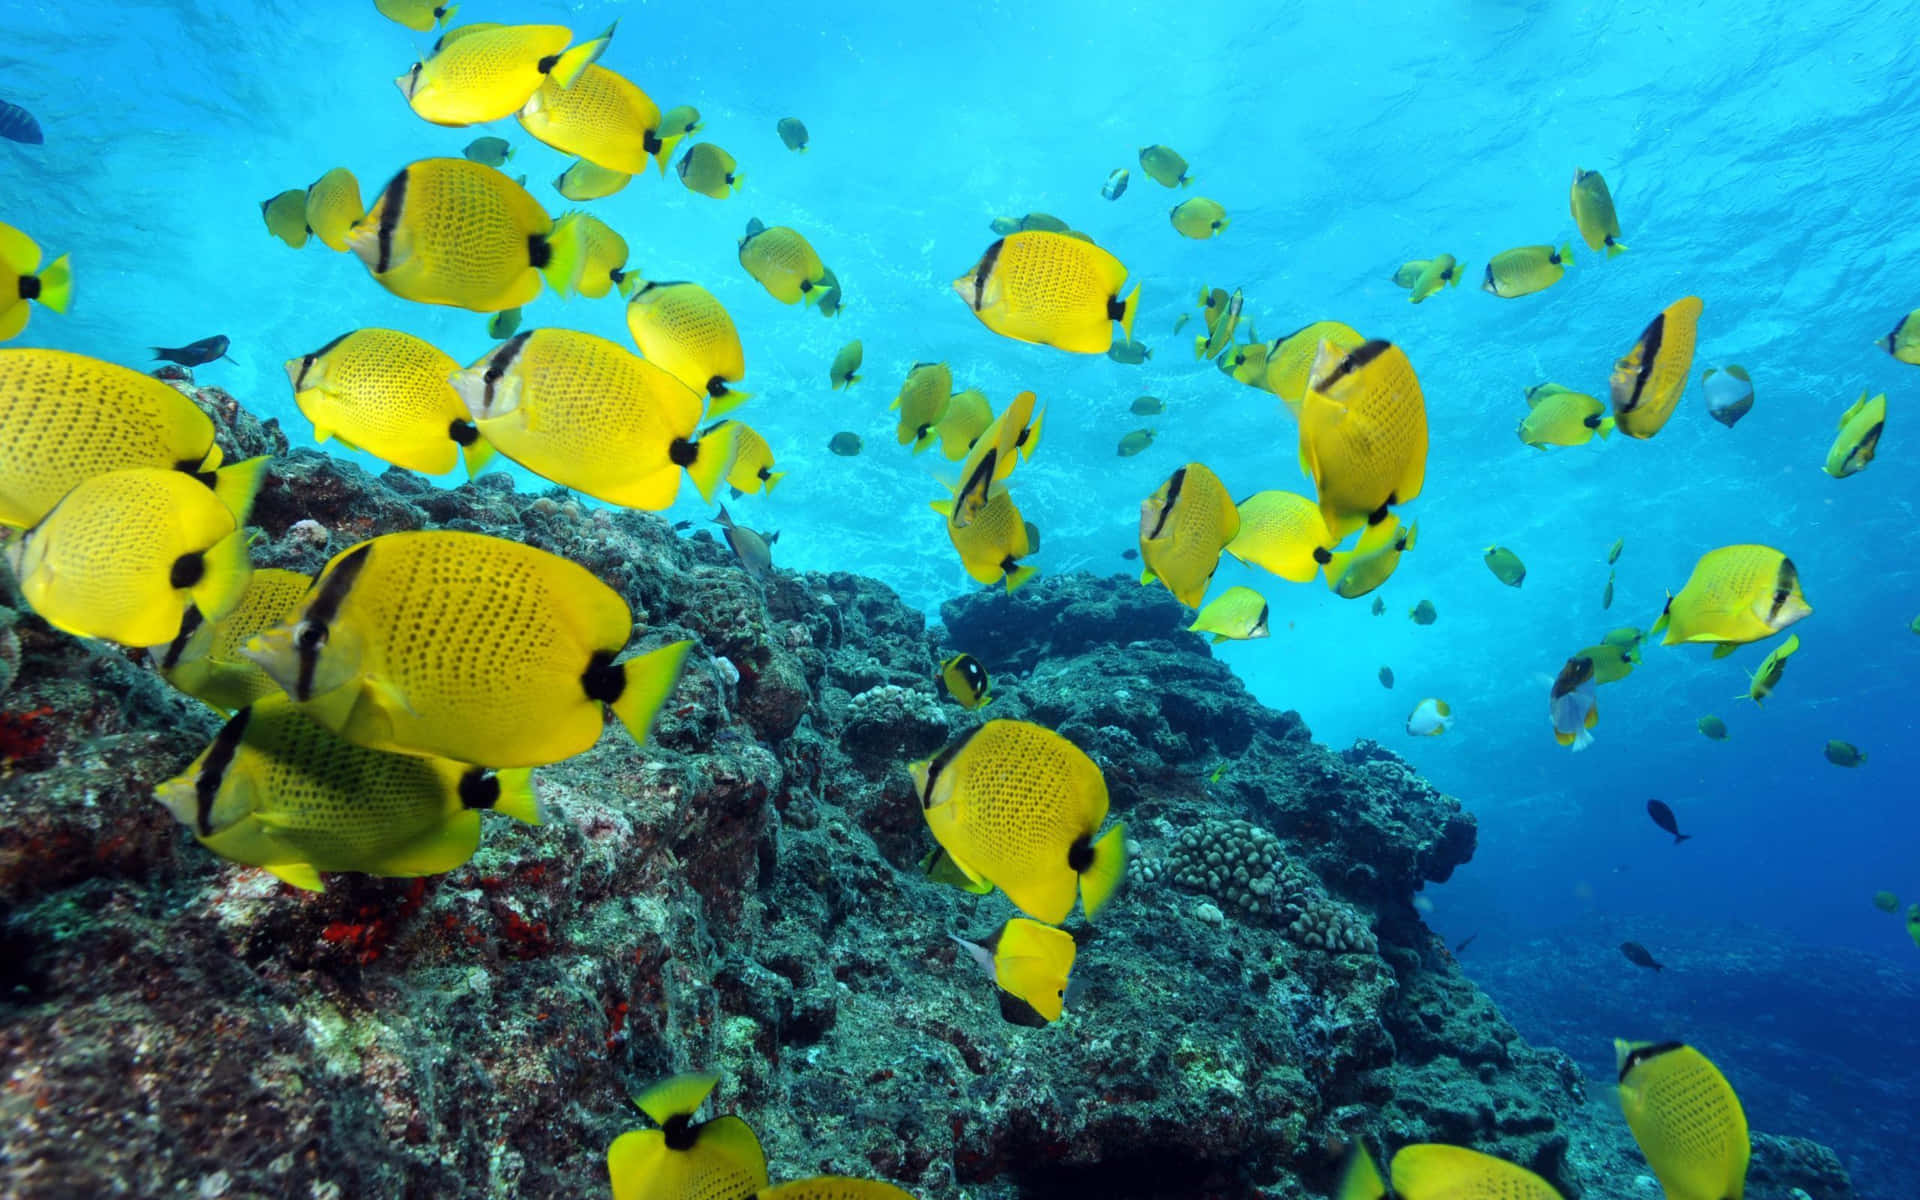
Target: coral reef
[{"x": 742, "y": 895}]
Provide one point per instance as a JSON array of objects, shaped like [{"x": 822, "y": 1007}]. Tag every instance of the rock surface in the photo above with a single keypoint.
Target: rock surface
[{"x": 742, "y": 895}]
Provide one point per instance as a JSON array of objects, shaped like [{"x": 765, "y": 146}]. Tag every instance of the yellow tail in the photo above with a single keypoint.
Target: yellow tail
[
  {"x": 477, "y": 455},
  {"x": 773, "y": 479},
  {"x": 517, "y": 797},
  {"x": 1605, "y": 428},
  {"x": 630, "y": 282},
  {"x": 56, "y": 284},
  {"x": 649, "y": 681},
  {"x": 566, "y": 254},
  {"x": 1128, "y": 311},
  {"x": 1361, "y": 1180},
  {"x": 446, "y": 15},
  {"x": 726, "y": 402},
  {"x": 1102, "y": 878},
  {"x": 236, "y": 485},
  {"x": 224, "y": 575},
  {"x": 575, "y": 61},
  {"x": 1019, "y": 577},
  {"x": 713, "y": 460},
  {"x": 1614, "y": 248},
  {"x": 665, "y": 151},
  {"x": 679, "y": 1096}
]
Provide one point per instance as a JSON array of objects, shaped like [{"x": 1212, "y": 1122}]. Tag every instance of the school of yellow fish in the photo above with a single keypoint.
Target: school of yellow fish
[{"x": 375, "y": 713}]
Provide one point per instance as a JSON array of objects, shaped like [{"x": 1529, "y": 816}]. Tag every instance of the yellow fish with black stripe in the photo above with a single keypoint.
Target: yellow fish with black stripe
[
  {"x": 1904, "y": 342},
  {"x": 1525, "y": 270},
  {"x": 1290, "y": 359},
  {"x": 1429, "y": 1171},
  {"x": 1222, "y": 320},
  {"x": 784, "y": 262},
  {"x": 1012, "y": 437},
  {"x": 449, "y": 231},
  {"x": 590, "y": 415},
  {"x": 1736, "y": 594},
  {"x": 603, "y": 258},
  {"x": 1030, "y": 962},
  {"x": 333, "y": 207},
  {"x": 602, "y": 117},
  {"x": 1559, "y": 416},
  {"x": 922, "y": 403},
  {"x": 417, "y": 15},
  {"x": 832, "y": 1187},
  {"x": 994, "y": 541},
  {"x": 684, "y": 1157},
  {"x": 481, "y": 73},
  {"x": 1018, "y": 806},
  {"x": 1442, "y": 272},
  {"x": 65, "y": 418},
  {"x": 204, "y": 658},
  {"x": 1771, "y": 670},
  {"x": 1183, "y": 528},
  {"x": 1282, "y": 533},
  {"x": 1649, "y": 381},
  {"x": 1686, "y": 1118},
  {"x": 968, "y": 416},
  {"x": 468, "y": 647},
  {"x": 1353, "y": 573},
  {"x": 707, "y": 169},
  {"x": 24, "y": 282},
  {"x": 683, "y": 329},
  {"x": 277, "y": 790},
  {"x": 1592, "y": 206},
  {"x": 1859, "y": 437},
  {"x": 752, "y": 469},
  {"x": 1237, "y": 614},
  {"x": 1050, "y": 289},
  {"x": 387, "y": 393},
  {"x": 125, "y": 554},
  {"x": 966, "y": 681},
  {"x": 1363, "y": 433}
]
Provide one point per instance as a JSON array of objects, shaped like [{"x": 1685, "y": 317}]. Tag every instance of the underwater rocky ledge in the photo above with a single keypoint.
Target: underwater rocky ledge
[{"x": 742, "y": 895}]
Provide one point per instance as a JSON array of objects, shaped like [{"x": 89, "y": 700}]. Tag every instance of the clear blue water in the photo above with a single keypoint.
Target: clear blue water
[{"x": 1760, "y": 156}]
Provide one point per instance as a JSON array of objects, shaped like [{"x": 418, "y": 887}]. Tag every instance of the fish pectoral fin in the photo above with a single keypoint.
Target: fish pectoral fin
[
  {"x": 443, "y": 850},
  {"x": 299, "y": 874},
  {"x": 1722, "y": 649}
]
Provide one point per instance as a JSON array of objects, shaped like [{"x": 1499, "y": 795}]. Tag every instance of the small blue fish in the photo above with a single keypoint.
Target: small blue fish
[{"x": 18, "y": 125}]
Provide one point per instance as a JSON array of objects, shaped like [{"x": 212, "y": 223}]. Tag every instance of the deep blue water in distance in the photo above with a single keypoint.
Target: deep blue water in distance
[{"x": 1760, "y": 157}]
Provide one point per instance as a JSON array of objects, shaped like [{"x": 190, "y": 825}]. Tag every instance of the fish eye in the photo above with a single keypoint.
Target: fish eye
[{"x": 309, "y": 636}]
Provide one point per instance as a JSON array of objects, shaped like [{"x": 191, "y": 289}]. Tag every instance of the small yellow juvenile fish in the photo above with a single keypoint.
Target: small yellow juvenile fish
[
  {"x": 1247, "y": 363},
  {"x": 1199, "y": 218},
  {"x": 1649, "y": 381},
  {"x": 783, "y": 262},
  {"x": 333, "y": 207},
  {"x": 387, "y": 393},
  {"x": 1237, "y": 614},
  {"x": 1444, "y": 271},
  {"x": 1164, "y": 166},
  {"x": 709, "y": 170},
  {"x": 286, "y": 216},
  {"x": 1767, "y": 676},
  {"x": 602, "y": 118},
  {"x": 1373, "y": 560},
  {"x": 22, "y": 279},
  {"x": 1050, "y": 289},
  {"x": 1592, "y": 206},
  {"x": 968, "y": 416},
  {"x": 845, "y": 363},
  {"x": 1860, "y": 429},
  {"x": 1222, "y": 321},
  {"x": 588, "y": 181},
  {"x": 481, "y": 73},
  {"x": 922, "y": 403},
  {"x": 204, "y": 658},
  {"x": 1407, "y": 272},
  {"x": 418, "y": 15},
  {"x": 752, "y": 469},
  {"x": 1525, "y": 270},
  {"x": 1557, "y": 416},
  {"x": 603, "y": 258},
  {"x": 1012, "y": 437},
  {"x": 678, "y": 122},
  {"x": 683, "y": 329},
  {"x": 1183, "y": 528}
]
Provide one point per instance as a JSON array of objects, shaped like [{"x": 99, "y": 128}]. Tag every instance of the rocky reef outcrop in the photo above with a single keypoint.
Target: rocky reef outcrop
[{"x": 743, "y": 895}]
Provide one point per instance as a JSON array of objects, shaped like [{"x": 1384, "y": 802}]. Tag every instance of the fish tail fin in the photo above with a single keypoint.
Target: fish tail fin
[
  {"x": 56, "y": 283},
  {"x": 734, "y": 180},
  {"x": 773, "y": 481},
  {"x": 1606, "y": 427},
  {"x": 665, "y": 152},
  {"x": 517, "y": 796},
  {"x": 566, "y": 254},
  {"x": 575, "y": 61},
  {"x": 1128, "y": 310},
  {"x": 477, "y": 455},
  {"x": 648, "y": 681},
  {"x": 1614, "y": 247},
  {"x": 1019, "y": 577},
  {"x": 1031, "y": 441},
  {"x": 237, "y": 484},
  {"x": 1580, "y": 740},
  {"x": 224, "y": 575},
  {"x": 1361, "y": 1180},
  {"x": 630, "y": 282},
  {"x": 446, "y": 14},
  {"x": 713, "y": 459},
  {"x": 1566, "y": 252},
  {"x": 925, "y": 437},
  {"x": 1199, "y": 348},
  {"x": 1665, "y": 618},
  {"x": 1102, "y": 877},
  {"x": 1682, "y": 837},
  {"x": 726, "y": 402},
  {"x": 851, "y": 379}
]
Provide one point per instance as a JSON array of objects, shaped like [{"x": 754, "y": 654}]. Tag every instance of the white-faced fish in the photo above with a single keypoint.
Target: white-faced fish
[
  {"x": 1282, "y": 533},
  {"x": 1363, "y": 433},
  {"x": 286, "y": 216},
  {"x": 1290, "y": 359},
  {"x": 968, "y": 417},
  {"x": 1030, "y": 962},
  {"x": 1772, "y": 668},
  {"x": 589, "y": 415},
  {"x": 1712, "y": 728},
  {"x": 1505, "y": 565},
  {"x": 1050, "y": 289},
  {"x": 589, "y": 181},
  {"x": 1353, "y": 573},
  {"x": 24, "y": 281},
  {"x": 783, "y": 262},
  {"x": 1164, "y": 166},
  {"x": 387, "y": 393},
  {"x": 417, "y": 15},
  {"x": 1736, "y": 594},
  {"x": 481, "y": 73},
  {"x": 65, "y": 418},
  {"x": 332, "y": 207},
  {"x": 752, "y": 470},
  {"x": 448, "y": 231},
  {"x": 685, "y": 1157},
  {"x": 1019, "y": 806},
  {"x": 966, "y": 681},
  {"x": 1133, "y": 443},
  {"x": 752, "y": 549},
  {"x": 1237, "y": 614},
  {"x": 1183, "y": 528},
  {"x": 921, "y": 402},
  {"x": 1558, "y": 416},
  {"x": 1729, "y": 393},
  {"x": 124, "y": 555},
  {"x": 277, "y": 790},
  {"x": 465, "y": 646},
  {"x": 994, "y": 541},
  {"x": 683, "y": 329},
  {"x": 1430, "y": 1171},
  {"x": 1430, "y": 718},
  {"x": 1573, "y": 703},
  {"x": 793, "y": 133},
  {"x": 1904, "y": 342},
  {"x": 1442, "y": 272},
  {"x": 1648, "y": 381},
  {"x": 1525, "y": 270},
  {"x": 709, "y": 170},
  {"x": 1592, "y": 206},
  {"x": 488, "y": 151},
  {"x": 603, "y": 258},
  {"x": 846, "y": 364},
  {"x": 204, "y": 658},
  {"x": 1859, "y": 437},
  {"x": 1116, "y": 184},
  {"x": 1845, "y": 754},
  {"x": 1199, "y": 218},
  {"x": 1685, "y": 1117}
]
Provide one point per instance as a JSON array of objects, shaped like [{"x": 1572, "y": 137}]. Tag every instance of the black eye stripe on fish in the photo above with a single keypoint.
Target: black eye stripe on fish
[
  {"x": 1646, "y": 1054},
  {"x": 320, "y": 614},
  {"x": 206, "y": 786},
  {"x": 498, "y": 365},
  {"x": 1784, "y": 583},
  {"x": 940, "y": 762},
  {"x": 981, "y": 272},
  {"x": 1649, "y": 355},
  {"x": 391, "y": 203},
  {"x": 1174, "y": 484},
  {"x": 189, "y": 621}
]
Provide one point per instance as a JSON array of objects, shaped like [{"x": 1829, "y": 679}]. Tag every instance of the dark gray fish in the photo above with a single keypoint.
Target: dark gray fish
[
  {"x": 1043, "y": 223},
  {"x": 1129, "y": 554},
  {"x": 1664, "y": 818},
  {"x": 1147, "y": 406},
  {"x": 502, "y": 324},
  {"x": 1638, "y": 956},
  {"x": 489, "y": 151},
  {"x": 1465, "y": 942},
  {"x": 846, "y": 445},
  {"x": 1379, "y": 606},
  {"x": 753, "y": 549},
  {"x": 18, "y": 125},
  {"x": 755, "y": 227},
  {"x": 1004, "y": 225},
  {"x": 1129, "y": 352},
  {"x": 1033, "y": 537},
  {"x": 830, "y": 301},
  {"x": 1386, "y": 677},
  {"x": 195, "y": 353},
  {"x": 793, "y": 132}
]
